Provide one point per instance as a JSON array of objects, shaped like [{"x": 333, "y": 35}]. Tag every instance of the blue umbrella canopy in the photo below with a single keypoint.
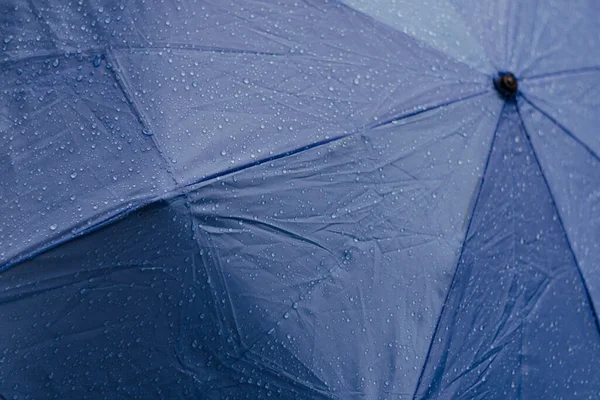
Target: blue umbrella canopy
[{"x": 314, "y": 199}]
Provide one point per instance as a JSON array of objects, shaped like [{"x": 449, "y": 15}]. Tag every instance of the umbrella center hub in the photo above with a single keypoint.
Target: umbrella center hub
[{"x": 506, "y": 84}]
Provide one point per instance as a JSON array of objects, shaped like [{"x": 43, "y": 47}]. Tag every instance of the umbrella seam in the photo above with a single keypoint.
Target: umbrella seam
[
  {"x": 563, "y": 73},
  {"x": 430, "y": 108}
]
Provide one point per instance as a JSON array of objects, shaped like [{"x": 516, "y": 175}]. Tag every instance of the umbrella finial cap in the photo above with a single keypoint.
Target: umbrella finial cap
[{"x": 507, "y": 84}]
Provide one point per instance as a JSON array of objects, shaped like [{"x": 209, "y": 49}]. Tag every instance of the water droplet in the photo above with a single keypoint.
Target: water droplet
[
  {"x": 147, "y": 132},
  {"x": 97, "y": 60},
  {"x": 74, "y": 175},
  {"x": 55, "y": 63},
  {"x": 286, "y": 315},
  {"x": 295, "y": 305},
  {"x": 53, "y": 227}
]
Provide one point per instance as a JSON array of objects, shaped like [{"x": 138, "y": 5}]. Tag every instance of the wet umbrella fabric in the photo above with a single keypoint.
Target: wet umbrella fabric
[{"x": 309, "y": 199}]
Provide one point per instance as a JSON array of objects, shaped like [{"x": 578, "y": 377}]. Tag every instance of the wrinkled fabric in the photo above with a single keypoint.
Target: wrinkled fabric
[{"x": 313, "y": 200}]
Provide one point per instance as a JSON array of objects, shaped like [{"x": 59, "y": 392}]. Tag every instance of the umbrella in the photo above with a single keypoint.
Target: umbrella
[{"x": 306, "y": 199}]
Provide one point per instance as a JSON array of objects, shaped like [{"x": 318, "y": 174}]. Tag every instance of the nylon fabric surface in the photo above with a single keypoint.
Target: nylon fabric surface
[{"x": 299, "y": 199}]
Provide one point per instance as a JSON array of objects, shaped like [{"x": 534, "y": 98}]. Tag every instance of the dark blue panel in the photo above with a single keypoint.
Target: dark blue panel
[
  {"x": 126, "y": 312},
  {"x": 573, "y": 173},
  {"x": 518, "y": 313}
]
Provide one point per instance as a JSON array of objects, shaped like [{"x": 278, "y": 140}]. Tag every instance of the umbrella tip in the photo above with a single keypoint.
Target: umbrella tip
[{"x": 506, "y": 84}]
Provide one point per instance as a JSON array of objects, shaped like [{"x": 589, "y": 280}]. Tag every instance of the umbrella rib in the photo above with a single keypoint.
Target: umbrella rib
[
  {"x": 560, "y": 126},
  {"x": 198, "y": 48},
  {"x": 462, "y": 249},
  {"x": 566, "y": 72},
  {"x": 426, "y": 109},
  {"x": 135, "y": 110},
  {"x": 561, "y": 223},
  {"x": 44, "y": 22}
]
